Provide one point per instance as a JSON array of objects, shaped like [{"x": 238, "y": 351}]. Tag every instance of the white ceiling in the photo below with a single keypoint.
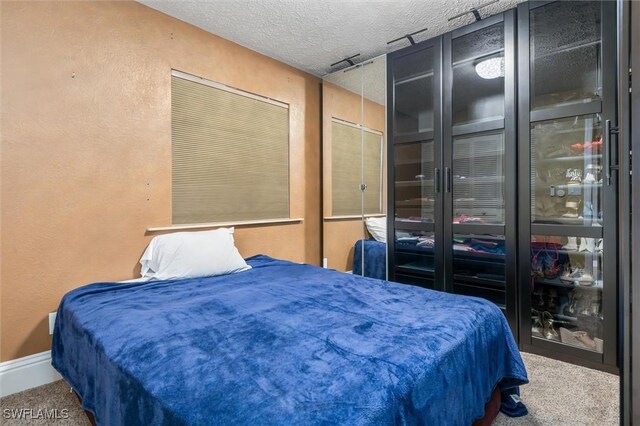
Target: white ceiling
[
  {"x": 312, "y": 34},
  {"x": 369, "y": 80}
]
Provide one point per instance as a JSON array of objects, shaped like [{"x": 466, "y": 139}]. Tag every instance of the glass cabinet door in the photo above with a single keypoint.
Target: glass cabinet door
[
  {"x": 566, "y": 165},
  {"x": 478, "y": 76},
  {"x": 567, "y": 286},
  {"x": 478, "y": 179},
  {"x": 415, "y": 194},
  {"x": 565, "y": 45},
  {"x": 415, "y": 165},
  {"x": 479, "y": 266},
  {"x": 415, "y": 212},
  {"x": 479, "y": 156},
  {"x": 414, "y": 251},
  {"x": 569, "y": 209},
  {"x": 413, "y": 92}
]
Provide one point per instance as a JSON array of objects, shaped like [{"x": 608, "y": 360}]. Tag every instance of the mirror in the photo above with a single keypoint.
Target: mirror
[{"x": 354, "y": 169}]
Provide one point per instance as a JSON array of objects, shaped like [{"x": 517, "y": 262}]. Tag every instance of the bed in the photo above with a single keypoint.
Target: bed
[
  {"x": 282, "y": 343},
  {"x": 375, "y": 259}
]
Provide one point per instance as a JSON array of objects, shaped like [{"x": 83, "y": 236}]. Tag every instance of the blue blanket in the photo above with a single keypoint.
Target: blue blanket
[
  {"x": 375, "y": 259},
  {"x": 283, "y": 344}
]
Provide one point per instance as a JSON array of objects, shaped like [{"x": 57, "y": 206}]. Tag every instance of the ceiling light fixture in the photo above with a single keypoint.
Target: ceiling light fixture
[{"x": 491, "y": 68}]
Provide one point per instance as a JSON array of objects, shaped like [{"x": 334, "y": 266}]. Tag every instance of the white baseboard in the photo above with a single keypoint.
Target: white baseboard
[{"x": 25, "y": 373}]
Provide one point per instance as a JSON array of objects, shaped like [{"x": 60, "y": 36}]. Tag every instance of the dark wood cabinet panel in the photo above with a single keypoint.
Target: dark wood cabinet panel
[{"x": 500, "y": 164}]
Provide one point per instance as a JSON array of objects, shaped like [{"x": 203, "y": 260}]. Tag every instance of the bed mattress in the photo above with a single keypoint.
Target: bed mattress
[{"x": 282, "y": 343}]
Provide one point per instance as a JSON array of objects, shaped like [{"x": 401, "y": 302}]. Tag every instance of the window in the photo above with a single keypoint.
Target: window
[
  {"x": 230, "y": 153},
  {"x": 356, "y": 157}
]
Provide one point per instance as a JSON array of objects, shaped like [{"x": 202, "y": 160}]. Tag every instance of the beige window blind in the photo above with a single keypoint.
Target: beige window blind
[
  {"x": 350, "y": 156},
  {"x": 230, "y": 153}
]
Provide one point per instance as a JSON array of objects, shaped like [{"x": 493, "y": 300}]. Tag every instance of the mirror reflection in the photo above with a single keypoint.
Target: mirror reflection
[{"x": 354, "y": 169}]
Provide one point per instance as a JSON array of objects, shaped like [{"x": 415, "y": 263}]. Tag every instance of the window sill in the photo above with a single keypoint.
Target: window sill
[
  {"x": 223, "y": 224},
  {"x": 355, "y": 216}
]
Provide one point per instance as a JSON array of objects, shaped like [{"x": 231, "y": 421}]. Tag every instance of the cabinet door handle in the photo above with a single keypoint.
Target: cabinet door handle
[
  {"x": 447, "y": 179},
  {"x": 436, "y": 174},
  {"x": 608, "y": 167}
]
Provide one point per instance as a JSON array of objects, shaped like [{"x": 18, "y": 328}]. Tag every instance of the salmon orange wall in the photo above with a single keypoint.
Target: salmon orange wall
[{"x": 86, "y": 148}]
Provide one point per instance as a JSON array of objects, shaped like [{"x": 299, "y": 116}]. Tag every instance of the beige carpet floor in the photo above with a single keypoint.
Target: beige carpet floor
[
  {"x": 565, "y": 394},
  {"x": 558, "y": 394}
]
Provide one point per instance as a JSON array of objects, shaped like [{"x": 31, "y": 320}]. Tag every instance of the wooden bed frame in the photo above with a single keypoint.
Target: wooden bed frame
[{"x": 491, "y": 409}]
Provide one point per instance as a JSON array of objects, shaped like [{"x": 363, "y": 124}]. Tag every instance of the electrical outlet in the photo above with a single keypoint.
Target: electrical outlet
[{"x": 52, "y": 321}]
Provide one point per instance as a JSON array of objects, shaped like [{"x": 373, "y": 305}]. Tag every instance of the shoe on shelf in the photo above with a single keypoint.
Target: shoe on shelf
[
  {"x": 577, "y": 277},
  {"x": 566, "y": 336},
  {"x": 599, "y": 345},
  {"x": 585, "y": 279},
  {"x": 599, "y": 246},
  {"x": 583, "y": 337},
  {"x": 572, "y": 244},
  {"x": 569, "y": 277},
  {"x": 573, "y": 175},
  {"x": 583, "y": 244},
  {"x": 587, "y": 244},
  {"x": 593, "y": 146},
  {"x": 596, "y": 146},
  {"x": 536, "y": 323},
  {"x": 589, "y": 178},
  {"x": 594, "y": 167},
  {"x": 595, "y": 170},
  {"x": 572, "y": 210},
  {"x": 578, "y": 338},
  {"x": 570, "y": 215},
  {"x": 547, "y": 327},
  {"x": 579, "y": 147}
]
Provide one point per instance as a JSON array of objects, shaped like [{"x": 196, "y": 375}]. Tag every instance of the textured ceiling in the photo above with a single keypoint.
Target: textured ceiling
[
  {"x": 312, "y": 34},
  {"x": 370, "y": 79}
]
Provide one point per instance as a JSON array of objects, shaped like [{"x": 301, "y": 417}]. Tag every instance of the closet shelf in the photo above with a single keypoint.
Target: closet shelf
[
  {"x": 586, "y": 223},
  {"x": 557, "y": 283},
  {"x": 565, "y": 49},
  {"x": 412, "y": 268},
  {"x": 586, "y": 158},
  {"x": 485, "y": 282},
  {"x": 475, "y": 58},
  {"x": 415, "y": 77},
  {"x": 476, "y": 180},
  {"x": 424, "y": 182}
]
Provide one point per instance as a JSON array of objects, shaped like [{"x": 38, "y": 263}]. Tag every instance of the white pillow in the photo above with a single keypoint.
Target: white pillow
[
  {"x": 377, "y": 227},
  {"x": 192, "y": 254}
]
